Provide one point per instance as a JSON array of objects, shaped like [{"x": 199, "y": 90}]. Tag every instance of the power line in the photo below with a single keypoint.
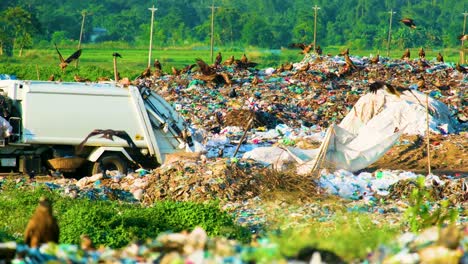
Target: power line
[{"x": 152, "y": 9}]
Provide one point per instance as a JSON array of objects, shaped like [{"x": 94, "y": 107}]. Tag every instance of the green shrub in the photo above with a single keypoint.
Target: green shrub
[{"x": 111, "y": 223}]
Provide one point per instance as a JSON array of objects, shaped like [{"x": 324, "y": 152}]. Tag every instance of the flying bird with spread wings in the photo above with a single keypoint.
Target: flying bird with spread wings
[
  {"x": 304, "y": 47},
  {"x": 408, "y": 22},
  {"x": 108, "y": 134},
  {"x": 64, "y": 62}
]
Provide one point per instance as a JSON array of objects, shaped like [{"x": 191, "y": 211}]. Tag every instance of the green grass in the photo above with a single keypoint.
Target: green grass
[{"x": 96, "y": 61}]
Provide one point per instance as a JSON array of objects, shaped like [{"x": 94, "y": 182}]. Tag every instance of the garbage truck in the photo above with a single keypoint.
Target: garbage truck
[{"x": 44, "y": 122}]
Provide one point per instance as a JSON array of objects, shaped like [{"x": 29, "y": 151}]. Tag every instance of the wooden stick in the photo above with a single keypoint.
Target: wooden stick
[
  {"x": 427, "y": 136},
  {"x": 252, "y": 115}
]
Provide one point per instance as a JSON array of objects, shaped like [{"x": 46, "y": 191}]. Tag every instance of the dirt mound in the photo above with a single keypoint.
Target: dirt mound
[{"x": 448, "y": 154}]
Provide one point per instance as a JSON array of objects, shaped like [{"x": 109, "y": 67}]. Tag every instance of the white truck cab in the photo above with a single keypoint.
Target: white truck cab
[{"x": 50, "y": 119}]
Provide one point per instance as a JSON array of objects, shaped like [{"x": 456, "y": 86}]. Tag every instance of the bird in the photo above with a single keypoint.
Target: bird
[
  {"x": 51, "y": 78},
  {"x": 423, "y": 63},
  {"x": 204, "y": 67},
  {"x": 64, "y": 62},
  {"x": 422, "y": 53},
  {"x": 349, "y": 62},
  {"x": 463, "y": 37},
  {"x": 80, "y": 79},
  {"x": 318, "y": 50},
  {"x": 187, "y": 68},
  {"x": 108, "y": 134},
  {"x": 157, "y": 65},
  {"x": 406, "y": 55},
  {"x": 42, "y": 226},
  {"x": 244, "y": 59},
  {"x": 146, "y": 73},
  {"x": 345, "y": 52},
  {"x": 86, "y": 243},
  {"x": 232, "y": 93},
  {"x": 229, "y": 61},
  {"x": 375, "y": 59},
  {"x": 408, "y": 22},
  {"x": 288, "y": 66},
  {"x": 440, "y": 58},
  {"x": 116, "y": 54},
  {"x": 255, "y": 80},
  {"x": 377, "y": 85},
  {"x": 219, "y": 59},
  {"x": 175, "y": 71},
  {"x": 305, "y": 48}
]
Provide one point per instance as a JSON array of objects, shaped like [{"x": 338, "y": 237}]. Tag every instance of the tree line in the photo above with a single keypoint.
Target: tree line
[{"x": 360, "y": 24}]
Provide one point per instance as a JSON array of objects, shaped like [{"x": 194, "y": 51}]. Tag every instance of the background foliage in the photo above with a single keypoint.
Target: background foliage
[{"x": 360, "y": 24}]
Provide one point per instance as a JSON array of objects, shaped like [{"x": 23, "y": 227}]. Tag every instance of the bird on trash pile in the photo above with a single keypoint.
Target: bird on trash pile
[
  {"x": 318, "y": 50},
  {"x": 204, "y": 67},
  {"x": 377, "y": 85},
  {"x": 422, "y": 53},
  {"x": 218, "y": 60},
  {"x": 108, "y": 134},
  {"x": 304, "y": 47},
  {"x": 157, "y": 65},
  {"x": 406, "y": 55},
  {"x": 375, "y": 59},
  {"x": 229, "y": 61},
  {"x": 42, "y": 226},
  {"x": 408, "y": 22},
  {"x": 146, "y": 73},
  {"x": 64, "y": 62},
  {"x": 440, "y": 58},
  {"x": 349, "y": 62},
  {"x": 460, "y": 68},
  {"x": 345, "y": 52}
]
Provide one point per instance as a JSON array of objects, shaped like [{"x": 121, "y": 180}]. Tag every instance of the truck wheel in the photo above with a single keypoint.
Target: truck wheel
[{"x": 111, "y": 162}]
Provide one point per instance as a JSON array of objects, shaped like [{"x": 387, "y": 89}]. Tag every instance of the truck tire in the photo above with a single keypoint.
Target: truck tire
[{"x": 111, "y": 161}]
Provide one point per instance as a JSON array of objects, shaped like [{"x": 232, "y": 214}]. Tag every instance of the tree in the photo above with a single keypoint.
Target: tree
[{"x": 18, "y": 29}]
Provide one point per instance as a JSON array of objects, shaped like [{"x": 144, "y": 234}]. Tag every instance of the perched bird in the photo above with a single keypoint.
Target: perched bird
[
  {"x": 219, "y": 59},
  {"x": 423, "y": 63},
  {"x": 304, "y": 47},
  {"x": 408, "y": 22},
  {"x": 229, "y": 61},
  {"x": 116, "y": 54},
  {"x": 375, "y": 59},
  {"x": 146, "y": 73},
  {"x": 318, "y": 50},
  {"x": 422, "y": 53},
  {"x": 51, "y": 78},
  {"x": 288, "y": 66},
  {"x": 281, "y": 68},
  {"x": 86, "y": 243},
  {"x": 157, "y": 65},
  {"x": 232, "y": 93},
  {"x": 463, "y": 37},
  {"x": 244, "y": 59},
  {"x": 460, "y": 68},
  {"x": 349, "y": 62},
  {"x": 80, "y": 79},
  {"x": 108, "y": 134},
  {"x": 377, "y": 85},
  {"x": 175, "y": 71},
  {"x": 255, "y": 80},
  {"x": 345, "y": 52},
  {"x": 64, "y": 62},
  {"x": 406, "y": 55},
  {"x": 440, "y": 58},
  {"x": 187, "y": 68},
  {"x": 42, "y": 227}
]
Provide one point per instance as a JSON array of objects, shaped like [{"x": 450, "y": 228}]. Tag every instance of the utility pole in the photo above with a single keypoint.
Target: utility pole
[
  {"x": 83, "y": 14},
  {"x": 315, "y": 24},
  {"x": 462, "y": 52},
  {"x": 212, "y": 30},
  {"x": 152, "y": 9},
  {"x": 389, "y": 32}
]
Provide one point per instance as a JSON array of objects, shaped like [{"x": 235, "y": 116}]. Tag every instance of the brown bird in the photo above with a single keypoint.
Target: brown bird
[
  {"x": 157, "y": 65},
  {"x": 80, "y": 79},
  {"x": 288, "y": 66},
  {"x": 86, "y": 243},
  {"x": 318, "y": 50},
  {"x": 219, "y": 59},
  {"x": 349, "y": 62},
  {"x": 146, "y": 73},
  {"x": 255, "y": 80},
  {"x": 229, "y": 61},
  {"x": 187, "y": 68},
  {"x": 406, "y": 55},
  {"x": 108, "y": 134},
  {"x": 175, "y": 71},
  {"x": 423, "y": 63},
  {"x": 422, "y": 53},
  {"x": 280, "y": 69},
  {"x": 244, "y": 59},
  {"x": 375, "y": 59},
  {"x": 377, "y": 85},
  {"x": 42, "y": 227},
  {"x": 51, "y": 78},
  {"x": 345, "y": 52},
  {"x": 440, "y": 58},
  {"x": 204, "y": 67},
  {"x": 305, "y": 48},
  {"x": 64, "y": 62},
  {"x": 408, "y": 22},
  {"x": 463, "y": 37}
]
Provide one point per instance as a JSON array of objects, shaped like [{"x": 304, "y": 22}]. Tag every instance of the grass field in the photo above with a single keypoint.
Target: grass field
[{"x": 94, "y": 62}]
